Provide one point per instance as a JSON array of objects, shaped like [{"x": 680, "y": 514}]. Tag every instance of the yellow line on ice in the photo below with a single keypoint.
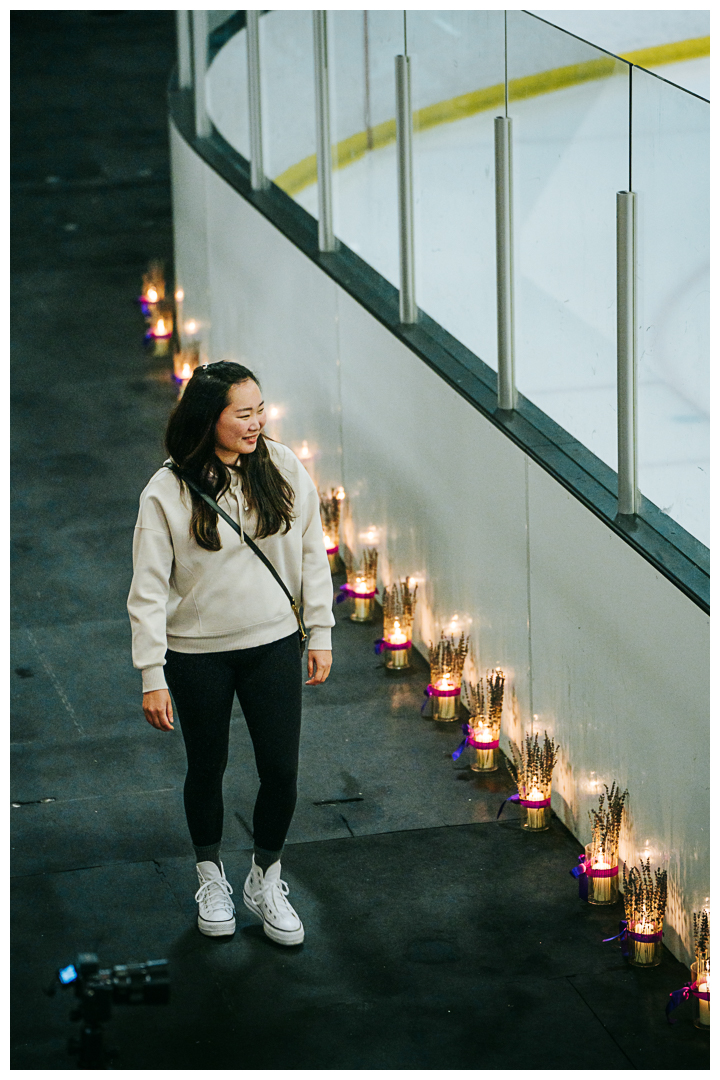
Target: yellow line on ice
[{"x": 345, "y": 152}]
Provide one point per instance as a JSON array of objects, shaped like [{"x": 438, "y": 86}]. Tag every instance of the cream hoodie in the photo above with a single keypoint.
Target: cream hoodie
[{"x": 191, "y": 600}]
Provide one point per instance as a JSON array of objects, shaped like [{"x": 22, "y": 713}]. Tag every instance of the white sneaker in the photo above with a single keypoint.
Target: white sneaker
[
  {"x": 216, "y": 916},
  {"x": 264, "y": 895}
]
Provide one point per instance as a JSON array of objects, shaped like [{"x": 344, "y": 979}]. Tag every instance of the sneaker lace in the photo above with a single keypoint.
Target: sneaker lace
[
  {"x": 274, "y": 892},
  {"x": 216, "y": 894}
]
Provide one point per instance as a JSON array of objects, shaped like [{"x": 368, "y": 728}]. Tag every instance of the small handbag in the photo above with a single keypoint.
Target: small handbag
[{"x": 253, "y": 547}]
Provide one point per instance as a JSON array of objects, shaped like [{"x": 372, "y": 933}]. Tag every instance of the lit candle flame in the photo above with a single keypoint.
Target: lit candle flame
[
  {"x": 273, "y": 413},
  {"x": 190, "y": 326},
  {"x": 304, "y": 451},
  {"x": 186, "y": 372},
  {"x": 160, "y": 330},
  {"x": 152, "y": 295},
  {"x": 328, "y": 542},
  {"x": 340, "y": 494},
  {"x": 179, "y": 294},
  {"x": 445, "y": 682},
  {"x": 397, "y": 635},
  {"x": 363, "y": 586}
]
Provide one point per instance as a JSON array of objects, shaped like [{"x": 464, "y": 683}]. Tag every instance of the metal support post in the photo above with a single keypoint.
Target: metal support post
[
  {"x": 257, "y": 171},
  {"x": 507, "y": 394},
  {"x": 326, "y": 236},
  {"x": 403, "y": 121},
  {"x": 184, "y": 50},
  {"x": 628, "y": 494},
  {"x": 200, "y": 36}
]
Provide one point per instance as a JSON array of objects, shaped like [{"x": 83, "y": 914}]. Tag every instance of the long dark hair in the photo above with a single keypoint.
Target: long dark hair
[{"x": 190, "y": 442}]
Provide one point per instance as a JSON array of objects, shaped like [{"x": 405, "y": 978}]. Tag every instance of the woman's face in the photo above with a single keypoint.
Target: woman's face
[{"x": 240, "y": 423}]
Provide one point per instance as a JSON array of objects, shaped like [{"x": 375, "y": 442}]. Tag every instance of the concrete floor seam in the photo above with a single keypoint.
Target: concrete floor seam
[{"x": 599, "y": 1020}]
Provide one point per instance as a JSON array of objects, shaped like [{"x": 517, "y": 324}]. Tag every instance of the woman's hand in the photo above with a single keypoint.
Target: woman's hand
[
  {"x": 158, "y": 709},
  {"x": 319, "y": 664}
]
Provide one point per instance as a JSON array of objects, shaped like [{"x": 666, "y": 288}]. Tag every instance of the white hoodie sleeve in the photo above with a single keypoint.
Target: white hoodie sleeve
[
  {"x": 147, "y": 603},
  {"x": 317, "y": 586}
]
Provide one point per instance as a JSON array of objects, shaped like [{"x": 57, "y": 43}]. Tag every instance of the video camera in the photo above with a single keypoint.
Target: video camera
[{"x": 98, "y": 989}]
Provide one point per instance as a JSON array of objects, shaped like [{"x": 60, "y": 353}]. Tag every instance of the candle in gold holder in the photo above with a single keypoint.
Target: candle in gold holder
[
  {"x": 159, "y": 335},
  {"x": 361, "y": 586},
  {"x": 698, "y": 989},
  {"x": 531, "y": 768},
  {"x": 484, "y": 702},
  {"x": 330, "y": 507},
  {"x": 601, "y": 854},
  {"x": 398, "y": 614},
  {"x": 153, "y": 287},
  {"x": 645, "y": 902},
  {"x": 447, "y": 660},
  {"x": 184, "y": 364},
  {"x": 700, "y": 970}
]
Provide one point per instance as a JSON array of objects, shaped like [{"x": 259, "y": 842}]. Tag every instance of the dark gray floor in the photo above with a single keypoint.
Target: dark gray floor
[{"x": 436, "y": 937}]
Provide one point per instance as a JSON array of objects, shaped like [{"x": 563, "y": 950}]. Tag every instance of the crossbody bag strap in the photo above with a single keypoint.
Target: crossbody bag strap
[{"x": 250, "y": 543}]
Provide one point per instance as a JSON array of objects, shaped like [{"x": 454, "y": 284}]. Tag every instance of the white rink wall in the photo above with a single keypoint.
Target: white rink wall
[{"x": 598, "y": 647}]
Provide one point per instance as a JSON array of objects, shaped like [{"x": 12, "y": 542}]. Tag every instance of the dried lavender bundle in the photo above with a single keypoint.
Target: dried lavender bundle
[
  {"x": 606, "y": 822},
  {"x": 485, "y": 698},
  {"x": 645, "y": 899},
  {"x": 533, "y": 763},
  {"x": 367, "y": 568},
  {"x": 330, "y": 507},
  {"x": 448, "y": 657},
  {"x": 475, "y": 699},
  {"x": 701, "y": 928},
  {"x": 399, "y": 601},
  {"x": 495, "y": 681}
]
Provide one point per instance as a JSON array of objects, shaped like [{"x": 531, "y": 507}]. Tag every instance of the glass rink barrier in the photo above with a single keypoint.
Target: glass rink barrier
[{"x": 474, "y": 159}]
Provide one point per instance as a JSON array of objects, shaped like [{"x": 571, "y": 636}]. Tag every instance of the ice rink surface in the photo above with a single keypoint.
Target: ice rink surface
[
  {"x": 621, "y": 32},
  {"x": 570, "y": 149}
]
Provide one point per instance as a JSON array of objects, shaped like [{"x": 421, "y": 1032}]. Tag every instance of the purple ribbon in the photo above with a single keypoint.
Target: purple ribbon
[
  {"x": 626, "y": 934},
  {"x": 645, "y": 937},
  {"x": 678, "y": 996},
  {"x": 381, "y": 645},
  {"x": 430, "y": 691},
  {"x": 622, "y": 936},
  {"x": 584, "y": 870},
  {"x": 580, "y": 872},
  {"x": 333, "y": 550},
  {"x": 346, "y": 591},
  {"x": 534, "y": 804},
  {"x": 470, "y": 741}
]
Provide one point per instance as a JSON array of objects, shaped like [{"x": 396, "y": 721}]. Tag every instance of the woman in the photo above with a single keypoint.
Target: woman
[{"x": 208, "y": 616}]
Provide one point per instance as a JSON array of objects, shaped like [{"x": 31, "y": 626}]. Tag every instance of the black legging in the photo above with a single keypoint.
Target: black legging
[{"x": 268, "y": 683}]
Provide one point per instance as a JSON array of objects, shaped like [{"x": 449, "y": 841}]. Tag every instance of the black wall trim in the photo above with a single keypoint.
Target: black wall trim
[{"x": 668, "y": 547}]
